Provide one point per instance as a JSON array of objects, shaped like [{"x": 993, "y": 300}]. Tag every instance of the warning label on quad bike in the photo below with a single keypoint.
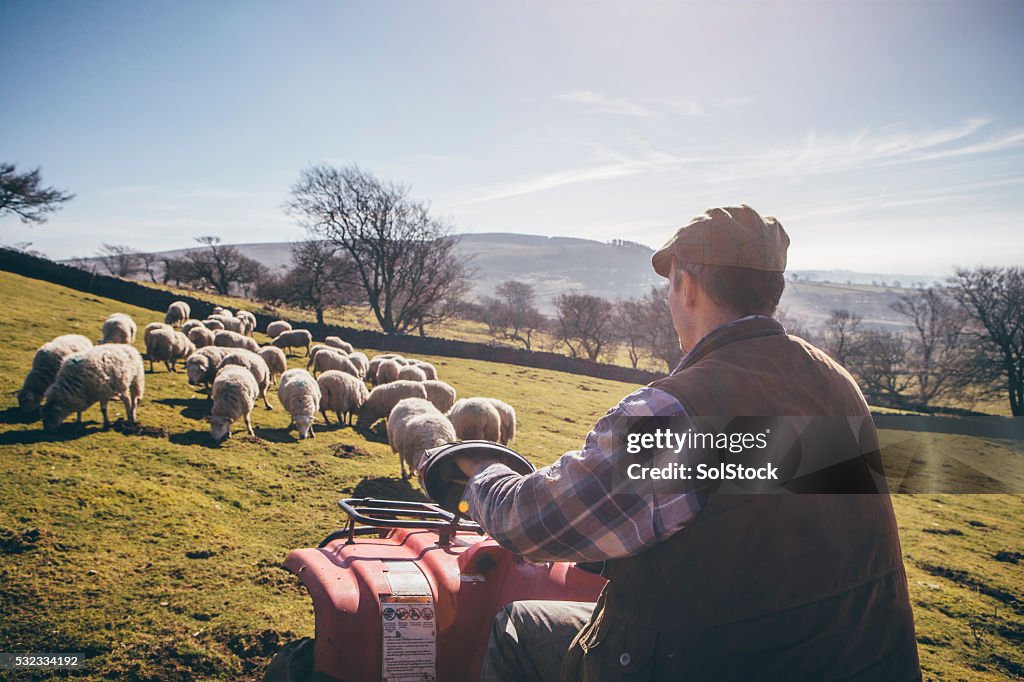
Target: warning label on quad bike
[{"x": 408, "y": 626}]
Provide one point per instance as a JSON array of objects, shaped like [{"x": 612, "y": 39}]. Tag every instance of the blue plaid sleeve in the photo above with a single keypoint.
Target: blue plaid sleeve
[{"x": 579, "y": 509}]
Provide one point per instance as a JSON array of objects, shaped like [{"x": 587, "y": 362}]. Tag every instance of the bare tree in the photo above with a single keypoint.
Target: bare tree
[
  {"x": 175, "y": 270},
  {"x": 841, "y": 330},
  {"x": 219, "y": 267},
  {"x": 993, "y": 297},
  {"x": 880, "y": 365},
  {"x": 148, "y": 263},
  {"x": 23, "y": 195},
  {"x": 318, "y": 278},
  {"x": 584, "y": 323},
  {"x": 661, "y": 338},
  {"x": 404, "y": 259},
  {"x": 512, "y": 315},
  {"x": 631, "y": 316},
  {"x": 119, "y": 260}
]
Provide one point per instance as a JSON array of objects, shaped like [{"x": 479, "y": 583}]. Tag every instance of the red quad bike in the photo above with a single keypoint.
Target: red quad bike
[{"x": 408, "y": 590}]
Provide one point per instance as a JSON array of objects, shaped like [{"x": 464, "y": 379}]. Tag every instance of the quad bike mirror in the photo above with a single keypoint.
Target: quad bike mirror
[{"x": 444, "y": 481}]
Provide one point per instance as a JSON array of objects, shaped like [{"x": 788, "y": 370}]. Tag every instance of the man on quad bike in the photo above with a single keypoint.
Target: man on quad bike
[{"x": 803, "y": 581}]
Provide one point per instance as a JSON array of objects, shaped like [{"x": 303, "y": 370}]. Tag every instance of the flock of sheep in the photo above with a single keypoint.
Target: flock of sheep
[{"x": 70, "y": 374}]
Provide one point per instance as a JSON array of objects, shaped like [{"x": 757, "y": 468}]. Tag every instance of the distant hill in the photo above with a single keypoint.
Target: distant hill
[{"x": 554, "y": 265}]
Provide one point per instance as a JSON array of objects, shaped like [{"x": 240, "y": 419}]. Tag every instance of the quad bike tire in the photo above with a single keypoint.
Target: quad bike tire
[{"x": 293, "y": 663}]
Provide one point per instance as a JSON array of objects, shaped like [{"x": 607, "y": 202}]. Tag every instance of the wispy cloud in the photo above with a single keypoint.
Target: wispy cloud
[{"x": 606, "y": 104}]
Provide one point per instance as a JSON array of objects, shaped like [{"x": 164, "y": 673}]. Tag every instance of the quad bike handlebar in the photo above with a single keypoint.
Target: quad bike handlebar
[{"x": 445, "y": 482}]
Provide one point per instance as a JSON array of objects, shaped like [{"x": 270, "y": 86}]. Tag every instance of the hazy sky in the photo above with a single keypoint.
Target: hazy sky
[{"x": 887, "y": 137}]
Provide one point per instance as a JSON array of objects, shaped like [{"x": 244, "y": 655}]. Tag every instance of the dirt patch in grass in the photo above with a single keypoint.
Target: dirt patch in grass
[
  {"x": 943, "y": 531},
  {"x": 16, "y": 542},
  {"x": 388, "y": 489},
  {"x": 135, "y": 429},
  {"x": 1008, "y": 557},
  {"x": 967, "y": 580},
  {"x": 348, "y": 451}
]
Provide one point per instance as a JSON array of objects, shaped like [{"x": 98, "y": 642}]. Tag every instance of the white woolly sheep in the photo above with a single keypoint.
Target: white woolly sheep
[
  {"x": 371, "y": 370},
  {"x": 278, "y": 326},
  {"x": 299, "y": 393},
  {"x": 202, "y": 365},
  {"x": 168, "y": 346},
  {"x": 275, "y": 359},
  {"x": 427, "y": 368},
  {"x": 201, "y": 336},
  {"x": 387, "y": 371},
  {"x": 230, "y": 339},
  {"x": 330, "y": 358},
  {"x": 396, "y": 357},
  {"x": 508, "y": 420},
  {"x": 151, "y": 327},
  {"x": 476, "y": 419},
  {"x": 415, "y": 425},
  {"x": 177, "y": 313},
  {"x": 96, "y": 374},
  {"x": 341, "y": 393},
  {"x": 412, "y": 373},
  {"x": 294, "y": 338},
  {"x": 189, "y": 325},
  {"x": 248, "y": 322},
  {"x": 232, "y": 324},
  {"x": 119, "y": 328},
  {"x": 217, "y": 310},
  {"x": 213, "y": 323},
  {"x": 312, "y": 354},
  {"x": 256, "y": 365},
  {"x": 336, "y": 342},
  {"x": 360, "y": 362},
  {"x": 45, "y": 365},
  {"x": 234, "y": 395},
  {"x": 440, "y": 393},
  {"x": 384, "y": 398}
]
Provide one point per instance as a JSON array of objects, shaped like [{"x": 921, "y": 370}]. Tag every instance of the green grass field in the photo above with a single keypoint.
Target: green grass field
[{"x": 158, "y": 555}]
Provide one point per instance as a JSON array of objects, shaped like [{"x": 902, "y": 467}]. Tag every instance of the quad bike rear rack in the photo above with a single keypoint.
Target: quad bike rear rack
[{"x": 376, "y": 515}]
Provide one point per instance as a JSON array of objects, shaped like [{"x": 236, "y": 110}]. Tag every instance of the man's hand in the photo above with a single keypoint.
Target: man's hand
[{"x": 471, "y": 466}]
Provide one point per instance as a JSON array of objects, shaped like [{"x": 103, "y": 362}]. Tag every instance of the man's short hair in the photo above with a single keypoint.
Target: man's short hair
[{"x": 743, "y": 291}]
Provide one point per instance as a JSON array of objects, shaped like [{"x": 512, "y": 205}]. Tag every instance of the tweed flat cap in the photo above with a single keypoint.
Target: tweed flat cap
[{"x": 729, "y": 235}]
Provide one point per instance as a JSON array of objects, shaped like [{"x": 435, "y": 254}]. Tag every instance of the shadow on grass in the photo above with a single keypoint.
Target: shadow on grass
[
  {"x": 388, "y": 489},
  {"x": 194, "y": 437},
  {"x": 14, "y": 415},
  {"x": 278, "y": 435},
  {"x": 378, "y": 433},
  {"x": 193, "y": 408},
  {"x": 66, "y": 432}
]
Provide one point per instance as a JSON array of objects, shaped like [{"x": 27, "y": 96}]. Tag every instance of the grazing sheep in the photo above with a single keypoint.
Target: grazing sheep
[
  {"x": 300, "y": 394},
  {"x": 177, "y": 313},
  {"x": 387, "y": 371},
  {"x": 278, "y": 326},
  {"x": 217, "y": 310},
  {"x": 412, "y": 373},
  {"x": 202, "y": 365},
  {"x": 200, "y": 336},
  {"x": 333, "y": 359},
  {"x": 415, "y": 425},
  {"x": 476, "y": 419},
  {"x": 96, "y": 374},
  {"x": 168, "y": 346},
  {"x": 189, "y": 325},
  {"x": 248, "y": 322},
  {"x": 232, "y": 324},
  {"x": 151, "y": 327},
  {"x": 426, "y": 368},
  {"x": 256, "y": 365},
  {"x": 336, "y": 342},
  {"x": 384, "y": 398},
  {"x": 119, "y": 328},
  {"x": 360, "y": 362},
  {"x": 396, "y": 357},
  {"x": 294, "y": 338},
  {"x": 508, "y": 420},
  {"x": 234, "y": 394},
  {"x": 341, "y": 393},
  {"x": 312, "y": 354},
  {"x": 440, "y": 393},
  {"x": 230, "y": 339},
  {"x": 45, "y": 365},
  {"x": 214, "y": 324},
  {"x": 275, "y": 359}
]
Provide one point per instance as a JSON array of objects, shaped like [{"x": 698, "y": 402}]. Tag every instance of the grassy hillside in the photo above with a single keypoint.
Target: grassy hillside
[{"x": 158, "y": 555}]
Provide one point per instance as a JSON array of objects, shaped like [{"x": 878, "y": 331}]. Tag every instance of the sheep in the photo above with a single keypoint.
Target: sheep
[
  {"x": 217, "y": 310},
  {"x": 256, "y": 365},
  {"x": 189, "y": 325},
  {"x": 294, "y": 338},
  {"x": 387, "y": 371},
  {"x": 278, "y": 326},
  {"x": 214, "y": 324},
  {"x": 384, "y": 398},
  {"x": 248, "y": 322},
  {"x": 45, "y": 365},
  {"x": 476, "y": 419},
  {"x": 96, "y": 374},
  {"x": 333, "y": 359},
  {"x": 360, "y": 362},
  {"x": 508, "y": 420},
  {"x": 371, "y": 370},
  {"x": 312, "y": 354},
  {"x": 415, "y": 425},
  {"x": 427, "y": 368},
  {"x": 151, "y": 327},
  {"x": 202, "y": 365},
  {"x": 230, "y": 339},
  {"x": 412, "y": 373},
  {"x": 440, "y": 393},
  {"x": 396, "y": 357},
  {"x": 231, "y": 323},
  {"x": 341, "y": 393},
  {"x": 177, "y": 313},
  {"x": 234, "y": 395},
  {"x": 169, "y": 346},
  {"x": 300, "y": 394},
  {"x": 275, "y": 359},
  {"x": 336, "y": 342},
  {"x": 119, "y": 328},
  {"x": 200, "y": 336}
]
